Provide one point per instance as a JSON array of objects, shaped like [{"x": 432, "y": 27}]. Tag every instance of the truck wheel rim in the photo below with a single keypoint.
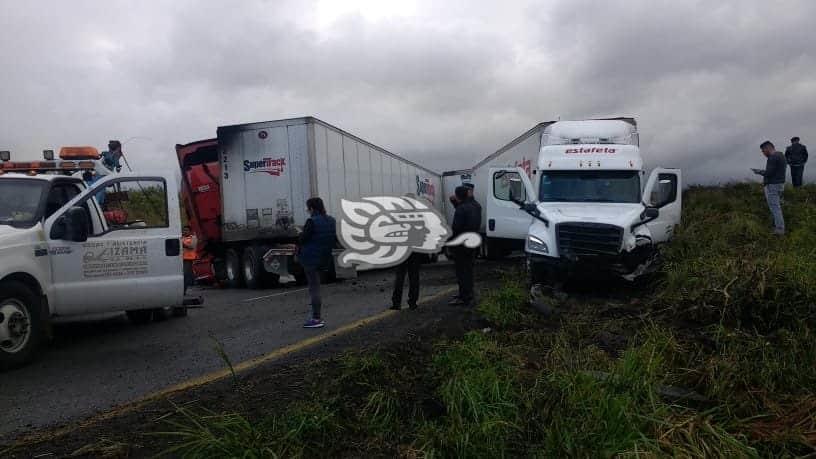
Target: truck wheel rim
[
  {"x": 15, "y": 326},
  {"x": 248, "y": 274}
]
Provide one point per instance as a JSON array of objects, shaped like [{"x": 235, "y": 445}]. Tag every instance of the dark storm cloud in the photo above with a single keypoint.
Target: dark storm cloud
[{"x": 443, "y": 86}]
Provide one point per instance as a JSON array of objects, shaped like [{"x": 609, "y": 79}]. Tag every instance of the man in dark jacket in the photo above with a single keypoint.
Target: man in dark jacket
[
  {"x": 774, "y": 183},
  {"x": 411, "y": 268},
  {"x": 467, "y": 218},
  {"x": 316, "y": 244},
  {"x": 796, "y": 155}
]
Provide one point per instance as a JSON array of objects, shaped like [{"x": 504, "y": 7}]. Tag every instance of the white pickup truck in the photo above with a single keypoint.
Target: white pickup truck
[{"x": 69, "y": 249}]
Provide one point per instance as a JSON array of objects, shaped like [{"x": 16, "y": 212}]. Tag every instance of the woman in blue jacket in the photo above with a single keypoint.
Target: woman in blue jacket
[{"x": 316, "y": 243}]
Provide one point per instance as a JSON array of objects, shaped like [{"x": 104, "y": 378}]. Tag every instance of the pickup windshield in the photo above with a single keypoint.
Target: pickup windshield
[
  {"x": 590, "y": 186},
  {"x": 20, "y": 201}
]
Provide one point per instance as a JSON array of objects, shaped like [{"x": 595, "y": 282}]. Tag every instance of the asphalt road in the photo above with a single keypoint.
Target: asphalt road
[{"x": 96, "y": 364}]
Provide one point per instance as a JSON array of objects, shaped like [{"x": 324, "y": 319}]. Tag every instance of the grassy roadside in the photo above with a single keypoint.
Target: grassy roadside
[
  {"x": 715, "y": 358},
  {"x": 717, "y": 361}
]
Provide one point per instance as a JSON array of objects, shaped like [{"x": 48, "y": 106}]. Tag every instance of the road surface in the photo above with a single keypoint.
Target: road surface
[{"x": 96, "y": 364}]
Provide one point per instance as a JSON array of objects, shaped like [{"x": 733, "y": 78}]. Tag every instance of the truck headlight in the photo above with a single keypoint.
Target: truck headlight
[{"x": 535, "y": 244}]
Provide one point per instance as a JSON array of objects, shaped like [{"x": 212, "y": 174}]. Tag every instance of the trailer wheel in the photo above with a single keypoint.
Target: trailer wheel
[
  {"x": 232, "y": 266},
  {"x": 21, "y": 327},
  {"x": 253, "y": 269},
  {"x": 140, "y": 316},
  {"x": 329, "y": 275}
]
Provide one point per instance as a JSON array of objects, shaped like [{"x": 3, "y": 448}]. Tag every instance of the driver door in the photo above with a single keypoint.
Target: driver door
[
  {"x": 504, "y": 218},
  {"x": 132, "y": 256},
  {"x": 664, "y": 191}
]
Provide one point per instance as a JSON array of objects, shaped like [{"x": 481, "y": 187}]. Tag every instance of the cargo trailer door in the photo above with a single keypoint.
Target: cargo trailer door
[{"x": 257, "y": 175}]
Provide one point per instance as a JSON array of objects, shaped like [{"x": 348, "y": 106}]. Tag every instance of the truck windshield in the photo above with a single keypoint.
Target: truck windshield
[
  {"x": 590, "y": 186},
  {"x": 20, "y": 201}
]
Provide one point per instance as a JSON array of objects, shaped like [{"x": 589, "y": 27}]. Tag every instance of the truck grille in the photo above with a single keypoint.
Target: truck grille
[{"x": 588, "y": 239}]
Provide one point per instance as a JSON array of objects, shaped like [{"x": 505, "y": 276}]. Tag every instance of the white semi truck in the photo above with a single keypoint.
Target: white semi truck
[
  {"x": 67, "y": 248},
  {"x": 576, "y": 196}
]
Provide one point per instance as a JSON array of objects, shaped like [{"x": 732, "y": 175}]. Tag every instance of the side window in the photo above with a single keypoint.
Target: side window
[
  {"x": 58, "y": 196},
  {"x": 132, "y": 203},
  {"x": 665, "y": 192},
  {"x": 507, "y": 184}
]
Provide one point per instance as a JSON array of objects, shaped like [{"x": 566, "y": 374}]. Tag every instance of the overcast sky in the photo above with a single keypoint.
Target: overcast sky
[{"x": 443, "y": 83}]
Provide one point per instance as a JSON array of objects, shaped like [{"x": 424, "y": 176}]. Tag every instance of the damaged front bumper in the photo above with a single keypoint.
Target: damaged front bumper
[{"x": 628, "y": 264}]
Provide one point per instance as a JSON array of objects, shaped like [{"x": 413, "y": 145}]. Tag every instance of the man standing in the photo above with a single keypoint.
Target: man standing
[
  {"x": 316, "y": 243},
  {"x": 111, "y": 158},
  {"x": 774, "y": 182},
  {"x": 411, "y": 267},
  {"x": 467, "y": 218},
  {"x": 797, "y": 156}
]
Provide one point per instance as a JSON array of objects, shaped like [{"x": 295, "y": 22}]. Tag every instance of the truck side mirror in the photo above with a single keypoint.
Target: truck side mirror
[
  {"x": 72, "y": 225},
  {"x": 650, "y": 213}
]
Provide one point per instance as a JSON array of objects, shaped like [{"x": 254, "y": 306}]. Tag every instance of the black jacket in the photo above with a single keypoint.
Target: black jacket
[
  {"x": 467, "y": 217},
  {"x": 796, "y": 154},
  {"x": 775, "y": 169}
]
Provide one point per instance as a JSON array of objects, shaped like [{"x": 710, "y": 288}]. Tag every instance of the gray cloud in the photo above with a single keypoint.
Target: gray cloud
[{"x": 443, "y": 86}]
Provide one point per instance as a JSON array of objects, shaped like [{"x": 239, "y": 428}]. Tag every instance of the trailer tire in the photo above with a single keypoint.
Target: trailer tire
[
  {"x": 232, "y": 266},
  {"x": 329, "y": 275},
  {"x": 139, "y": 316},
  {"x": 21, "y": 323},
  {"x": 253, "y": 268}
]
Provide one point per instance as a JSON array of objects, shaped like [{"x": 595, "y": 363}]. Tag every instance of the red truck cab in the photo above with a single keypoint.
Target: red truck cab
[{"x": 201, "y": 195}]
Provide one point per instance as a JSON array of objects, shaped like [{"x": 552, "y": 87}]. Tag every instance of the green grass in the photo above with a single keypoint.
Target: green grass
[
  {"x": 724, "y": 266},
  {"x": 730, "y": 321},
  {"x": 506, "y": 306}
]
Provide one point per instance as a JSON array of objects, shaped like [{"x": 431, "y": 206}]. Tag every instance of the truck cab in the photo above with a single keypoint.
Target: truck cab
[
  {"x": 67, "y": 248},
  {"x": 589, "y": 206}
]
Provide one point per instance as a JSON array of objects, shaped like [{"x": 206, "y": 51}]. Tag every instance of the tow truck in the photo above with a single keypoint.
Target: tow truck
[{"x": 76, "y": 239}]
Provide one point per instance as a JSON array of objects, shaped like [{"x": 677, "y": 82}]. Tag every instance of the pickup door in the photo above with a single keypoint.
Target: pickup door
[{"x": 131, "y": 258}]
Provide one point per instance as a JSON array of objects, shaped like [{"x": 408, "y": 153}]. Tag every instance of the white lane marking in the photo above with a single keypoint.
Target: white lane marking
[{"x": 274, "y": 294}]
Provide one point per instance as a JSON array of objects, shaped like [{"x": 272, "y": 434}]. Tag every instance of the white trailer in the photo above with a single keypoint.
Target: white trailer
[{"x": 269, "y": 170}]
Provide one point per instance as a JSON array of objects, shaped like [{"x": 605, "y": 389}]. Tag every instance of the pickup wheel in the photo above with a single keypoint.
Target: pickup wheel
[
  {"x": 232, "y": 266},
  {"x": 21, "y": 327}
]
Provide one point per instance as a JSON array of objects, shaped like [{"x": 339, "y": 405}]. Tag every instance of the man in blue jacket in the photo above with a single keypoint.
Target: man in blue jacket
[{"x": 316, "y": 243}]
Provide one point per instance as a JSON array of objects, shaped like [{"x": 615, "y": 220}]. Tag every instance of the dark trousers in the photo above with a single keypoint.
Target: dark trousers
[
  {"x": 796, "y": 174},
  {"x": 410, "y": 267},
  {"x": 313, "y": 278},
  {"x": 463, "y": 259}
]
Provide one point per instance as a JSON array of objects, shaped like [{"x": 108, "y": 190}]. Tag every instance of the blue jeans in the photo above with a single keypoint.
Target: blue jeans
[
  {"x": 773, "y": 194},
  {"x": 313, "y": 278}
]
